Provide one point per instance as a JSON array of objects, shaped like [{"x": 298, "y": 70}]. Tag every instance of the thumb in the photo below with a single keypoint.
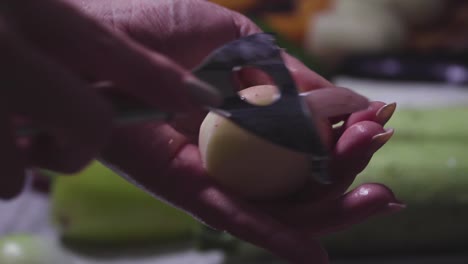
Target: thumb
[{"x": 86, "y": 46}]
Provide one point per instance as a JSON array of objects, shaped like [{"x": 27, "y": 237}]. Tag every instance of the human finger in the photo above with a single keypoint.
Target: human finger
[
  {"x": 354, "y": 150},
  {"x": 377, "y": 111},
  {"x": 351, "y": 154},
  {"x": 85, "y": 46},
  {"x": 356, "y": 206},
  {"x": 336, "y": 101},
  {"x": 75, "y": 118}
]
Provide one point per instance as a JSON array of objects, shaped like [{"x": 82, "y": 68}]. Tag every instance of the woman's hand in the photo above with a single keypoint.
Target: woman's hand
[
  {"x": 163, "y": 159},
  {"x": 50, "y": 55}
]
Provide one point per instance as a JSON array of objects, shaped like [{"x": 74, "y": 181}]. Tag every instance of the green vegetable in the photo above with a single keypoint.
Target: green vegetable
[
  {"x": 97, "y": 207},
  {"x": 31, "y": 249}
]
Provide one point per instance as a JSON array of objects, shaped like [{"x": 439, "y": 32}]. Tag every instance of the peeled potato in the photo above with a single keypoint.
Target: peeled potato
[{"x": 246, "y": 164}]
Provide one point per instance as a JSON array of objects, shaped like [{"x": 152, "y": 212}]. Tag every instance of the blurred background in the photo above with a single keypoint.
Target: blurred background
[{"x": 412, "y": 52}]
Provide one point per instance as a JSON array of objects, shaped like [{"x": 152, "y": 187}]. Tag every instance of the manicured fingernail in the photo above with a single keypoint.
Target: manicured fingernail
[
  {"x": 380, "y": 139},
  {"x": 385, "y": 113},
  {"x": 395, "y": 207},
  {"x": 202, "y": 92}
]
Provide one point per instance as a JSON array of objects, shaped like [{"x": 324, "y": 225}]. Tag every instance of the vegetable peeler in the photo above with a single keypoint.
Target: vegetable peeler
[{"x": 286, "y": 122}]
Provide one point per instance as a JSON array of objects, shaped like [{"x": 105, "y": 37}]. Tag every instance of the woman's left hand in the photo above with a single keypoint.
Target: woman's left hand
[{"x": 163, "y": 159}]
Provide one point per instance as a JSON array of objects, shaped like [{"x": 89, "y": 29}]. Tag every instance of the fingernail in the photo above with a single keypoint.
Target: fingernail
[
  {"x": 202, "y": 92},
  {"x": 385, "y": 113},
  {"x": 395, "y": 207},
  {"x": 380, "y": 139}
]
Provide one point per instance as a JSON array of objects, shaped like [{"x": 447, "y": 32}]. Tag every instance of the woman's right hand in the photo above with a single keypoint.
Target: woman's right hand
[{"x": 51, "y": 54}]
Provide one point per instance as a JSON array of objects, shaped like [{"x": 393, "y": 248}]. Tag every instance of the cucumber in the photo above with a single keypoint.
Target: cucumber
[
  {"x": 431, "y": 125},
  {"x": 96, "y": 208}
]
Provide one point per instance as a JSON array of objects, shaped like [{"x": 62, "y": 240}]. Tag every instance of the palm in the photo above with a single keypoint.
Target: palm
[{"x": 163, "y": 159}]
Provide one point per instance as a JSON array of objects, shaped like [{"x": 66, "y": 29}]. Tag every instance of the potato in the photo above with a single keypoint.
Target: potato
[{"x": 246, "y": 164}]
